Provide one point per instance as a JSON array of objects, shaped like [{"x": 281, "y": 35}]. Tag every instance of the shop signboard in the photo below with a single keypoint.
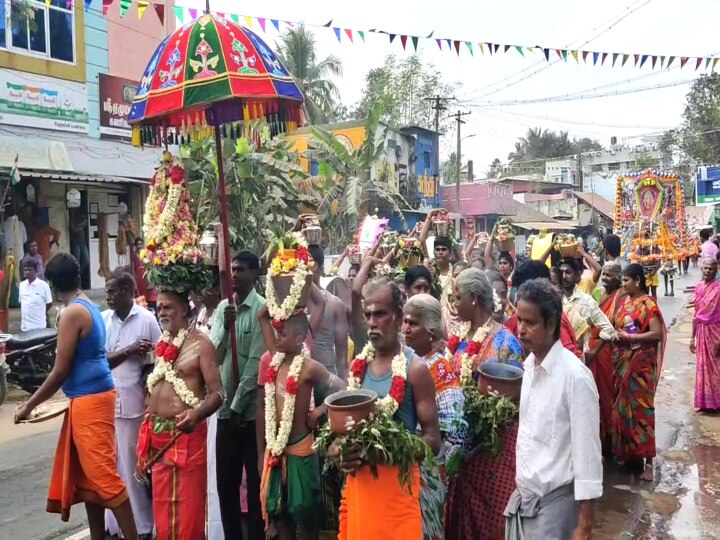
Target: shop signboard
[
  {"x": 708, "y": 185},
  {"x": 42, "y": 102},
  {"x": 116, "y": 97}
]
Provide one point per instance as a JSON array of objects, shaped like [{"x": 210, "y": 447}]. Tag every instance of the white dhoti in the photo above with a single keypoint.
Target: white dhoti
[
  {"x": 214, "y": 523},
  {"x": 126, "y": 437}
]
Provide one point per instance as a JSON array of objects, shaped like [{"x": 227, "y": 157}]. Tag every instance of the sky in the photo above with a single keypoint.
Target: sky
[{"x": 654, "y": 27}]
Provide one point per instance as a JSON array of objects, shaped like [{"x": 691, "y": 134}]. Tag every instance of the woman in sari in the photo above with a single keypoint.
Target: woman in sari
[
  {"x": 479, "y": 493},
  {"x": 424, "y": 332},
  {"x": 638, "y": 363},
  {"x": 599, "y": 357},
  {"x": 705, "y": 341}
]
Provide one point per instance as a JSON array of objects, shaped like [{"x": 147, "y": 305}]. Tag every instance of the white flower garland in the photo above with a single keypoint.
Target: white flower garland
[
  {"x": 277, "y": 437},
  {"x": 466, "y": 360},
  {"x": 388, "y": 405},
  {"x": 284, "y": 311},
  {"x": 165, "y": 370},
  {"x": 161, "y": 225}
]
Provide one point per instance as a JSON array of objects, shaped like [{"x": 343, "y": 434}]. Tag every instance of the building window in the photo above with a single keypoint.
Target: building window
[
  {"x": 426, "y": 160},
  {"x": 614, "y": 166},
  {"x": 3, "y": 25},
  {"x": 597, "y": 168},
  {"x": 40, "y": 28}
]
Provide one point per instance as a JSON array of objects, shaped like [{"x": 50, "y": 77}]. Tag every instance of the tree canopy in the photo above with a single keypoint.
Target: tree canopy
[{"x": 540, "y": 144}]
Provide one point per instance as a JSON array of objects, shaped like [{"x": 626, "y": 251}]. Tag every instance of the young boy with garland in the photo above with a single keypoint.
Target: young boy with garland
[{"x": 290, "y": 485}]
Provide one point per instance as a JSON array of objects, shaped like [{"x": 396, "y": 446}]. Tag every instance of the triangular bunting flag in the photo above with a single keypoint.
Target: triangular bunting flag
[
  {"x": 337, "y": 33},
  {"x": 328, "y": 24},
  {"x": 496, "y": 47},
  {"x": 87, "y": 4},
  {"x": 604, "y": 56},
  {"x": 595, "y": 57},
  {"x": 142, "y": 5},
  {"x": 179, "y": 15},
  {"x": 276, "y": 24},
  {"x": 584, "y": 56},
  {"x": 160, "y": 10},
  {"x": 653, "y": 60},
  {"x": 449, "y": 42},
  {"x": 392, "y": 37},
  {"x": 439, "y": 43},
  {"x": 248, "y": 21},
  {"x": 221, "y": 15},
  {"x": 575, "y": 56},
  {"x": 615, "y": 56},
  {"x": 707, "y": 62},
  {"x": 491, "y": 48},
  {"x": 15, "y": 171},
  {"x": 546, "y": 52},
  {"x": 362, "y": 35},
  {"x": 530, "y": 49},
  {"x": 670, "y": 61},
  {"x": 235, "y": 18},
  {"x": 625, "y": 59},
  {"x": 643, "y": 59},
  {"x": 261, "y": 21},
  {"x": 469, "y": 47},
  {"x": 520, "y": 50},
  {"x": 124, "y": 6},
  {"x": 482, "y": 48},
  {"x": 683, "y": 61},
  {"x": 662, "y": 62},
  {"x": 430, "y": 35},
  {"x": 559, "y": 53},
  {"x": 715, "y": 61},
  {"x": 193, "y": 13},
  {"x": 697, "y": 63},
  {"x": 564, "y": 54},
  {"x": 637, "y": 57},
  {"x": 457, "y": 47},
  {"x": 106, "y": 6},
  {"x": 507, "y": 48},
  {"x": 348, "y": 31},
  {"x": 415, "y": 42},
  {"x": 403, "y": 40}
]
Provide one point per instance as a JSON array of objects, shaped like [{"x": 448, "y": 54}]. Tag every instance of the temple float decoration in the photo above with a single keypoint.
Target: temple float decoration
[{"x": 650, "y": 218}]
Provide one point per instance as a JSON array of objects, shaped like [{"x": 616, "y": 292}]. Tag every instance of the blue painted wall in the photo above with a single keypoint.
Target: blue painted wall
[
  {"x": 97, "y": 61},
  {"x": 425, "y": 145}
]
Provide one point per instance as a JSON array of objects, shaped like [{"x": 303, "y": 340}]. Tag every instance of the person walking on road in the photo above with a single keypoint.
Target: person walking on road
[{"x": 705, "y": 340}]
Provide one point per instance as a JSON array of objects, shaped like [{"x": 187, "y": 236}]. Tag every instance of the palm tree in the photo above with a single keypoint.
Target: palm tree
[{"x": 297, "y": 52}]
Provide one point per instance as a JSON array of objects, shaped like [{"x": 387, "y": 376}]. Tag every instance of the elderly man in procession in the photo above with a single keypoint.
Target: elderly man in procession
[
  {"x": 185, "y": 389},
  {"x": 131, "y": 332},
  {"x": 558, "y": 457}
]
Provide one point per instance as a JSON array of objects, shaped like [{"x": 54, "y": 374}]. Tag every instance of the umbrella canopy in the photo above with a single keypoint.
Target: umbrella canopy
[{"x": 211, "y": 72}]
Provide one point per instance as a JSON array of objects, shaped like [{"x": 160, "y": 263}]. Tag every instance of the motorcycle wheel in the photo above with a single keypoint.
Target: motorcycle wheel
[{"x": 3, "y": 386}]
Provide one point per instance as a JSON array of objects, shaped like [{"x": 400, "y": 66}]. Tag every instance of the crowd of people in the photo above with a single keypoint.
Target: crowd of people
[{"x": 218, "y": 426}]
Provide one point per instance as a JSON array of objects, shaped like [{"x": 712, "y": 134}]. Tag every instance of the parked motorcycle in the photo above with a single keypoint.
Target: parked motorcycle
[{"x": 26, "y": 359}]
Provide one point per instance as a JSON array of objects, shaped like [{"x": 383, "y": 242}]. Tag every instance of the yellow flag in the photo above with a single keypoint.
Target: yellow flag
[
  {"x": 575, "y": 56},
  {"x": 248, "y": 22},
  {"x": 142, "y": 6}
]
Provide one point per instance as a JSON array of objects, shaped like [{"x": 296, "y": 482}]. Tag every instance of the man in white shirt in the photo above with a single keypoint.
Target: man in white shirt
[
  {"x": 582, "y": 310},
  {"x": 131, "y": 333},
  {"x": 35, "y": 298},
  {"x": 558, "y": 458}
]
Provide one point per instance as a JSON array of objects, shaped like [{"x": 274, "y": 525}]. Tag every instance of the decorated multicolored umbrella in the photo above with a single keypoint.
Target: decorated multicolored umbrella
[{"x": 212, "y": 74}]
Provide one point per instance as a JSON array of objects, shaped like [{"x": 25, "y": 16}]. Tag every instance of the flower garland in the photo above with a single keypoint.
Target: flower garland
[
  {"x": 300, "y": 265},
  {"x": 277, "y": 437},
  {"x": 168, "y": 180},
  {"x": 167, "y": 352},
  {"x": 390, "y": 403},
  {"x": 472, "y": 349}
]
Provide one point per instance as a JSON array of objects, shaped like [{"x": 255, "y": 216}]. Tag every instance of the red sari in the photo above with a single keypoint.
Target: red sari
[
  {"x": 635, "y": 379},
  {"x": 707, "y": 328},
  {"x": 603, "y": 368}
]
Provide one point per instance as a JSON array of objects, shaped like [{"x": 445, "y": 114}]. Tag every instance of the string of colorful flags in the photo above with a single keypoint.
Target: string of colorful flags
[{"x": 595, "y": 58}]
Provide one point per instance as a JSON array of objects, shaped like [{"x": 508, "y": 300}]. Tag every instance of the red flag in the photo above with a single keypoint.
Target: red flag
[
  {"x": 683, "y": 61},
  {"x": 403, "y": 40},
  {"x": 457, "y": 47},
  {"x": 349, "y": 34},
  {"x": 584, "y": 55}
]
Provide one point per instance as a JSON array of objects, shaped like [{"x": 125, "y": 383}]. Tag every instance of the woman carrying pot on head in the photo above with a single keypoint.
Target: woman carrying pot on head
[
  {"x": 479, "y": 493},
  {"x": 424, "y": 332}
]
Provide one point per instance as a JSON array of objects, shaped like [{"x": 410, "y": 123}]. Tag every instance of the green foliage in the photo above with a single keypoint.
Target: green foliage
[
  {"x": 646, "y": 162},
  {"x": 346, "y": 187},
  {"x": 401, "y": 87},
  {"x": 261, "y": 184},
  {"x": 314, "y": 78},
  {"x": 540, "y": 144},
  {"x": 488, "y": 415},
  {"x": 384, "y": 442},
  {"x": 495, "y": 170},
  {"x": 449, "y": 171},
  {"x": 697, "y": 139},
  {"x": 180, "y": 278}
]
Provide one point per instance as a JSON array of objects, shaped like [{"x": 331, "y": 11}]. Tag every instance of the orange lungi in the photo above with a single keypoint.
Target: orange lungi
[
  {"x": 179, "y": 481},
  {"x": 380, "y": 508},
  {"x": 85, "y": 467}
]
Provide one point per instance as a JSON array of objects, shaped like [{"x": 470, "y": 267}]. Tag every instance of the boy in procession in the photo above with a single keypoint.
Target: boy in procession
[{"x": 290, "y": 486}]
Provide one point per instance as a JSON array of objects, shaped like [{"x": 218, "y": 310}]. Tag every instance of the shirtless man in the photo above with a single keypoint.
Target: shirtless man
[
  {"x": 185, "y": 389},
  {"x": 330, "y": 333},
  {"x": 291, "y": 500}
]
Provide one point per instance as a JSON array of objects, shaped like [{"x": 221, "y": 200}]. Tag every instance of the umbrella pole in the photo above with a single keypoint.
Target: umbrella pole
[{"x": 226, "y": 248}]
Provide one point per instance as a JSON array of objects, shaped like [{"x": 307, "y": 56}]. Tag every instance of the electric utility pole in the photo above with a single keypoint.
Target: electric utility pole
[
  {"x": 458, "y": 118},
  {"x": 438, "y": 107}
]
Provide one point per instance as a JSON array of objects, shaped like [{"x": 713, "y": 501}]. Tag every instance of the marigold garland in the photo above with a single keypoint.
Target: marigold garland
[
  {"x": 167, "y": 352},
  {"x": 300, "y": 266},
  {"x": 392, "y": 402},
  {"x": 472, "y": 349}
]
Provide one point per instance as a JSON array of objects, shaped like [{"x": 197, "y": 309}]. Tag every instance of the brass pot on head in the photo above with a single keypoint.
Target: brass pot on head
[{"x": 209, "y": 245}]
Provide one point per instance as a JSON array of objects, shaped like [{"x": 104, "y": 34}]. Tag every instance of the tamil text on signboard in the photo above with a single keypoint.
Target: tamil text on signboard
[{"x": 116, "y": 96}]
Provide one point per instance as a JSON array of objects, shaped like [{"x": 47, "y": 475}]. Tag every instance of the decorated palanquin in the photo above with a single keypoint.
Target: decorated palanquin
[{"x": 650, "y": 218}]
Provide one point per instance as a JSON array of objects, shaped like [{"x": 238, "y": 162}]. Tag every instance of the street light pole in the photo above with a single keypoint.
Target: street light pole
[{"x": 458, "y": 118}]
